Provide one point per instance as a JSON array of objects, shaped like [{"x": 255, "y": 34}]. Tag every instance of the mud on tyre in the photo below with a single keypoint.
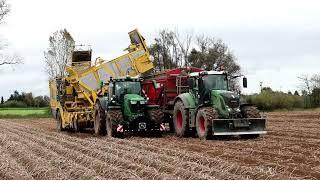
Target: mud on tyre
[
  {"x": 114, "y": 117},
  {"x": 250, "y": 112},
  {"x": 180, "y": 119},
  {"x": 99, "y": 120},
  {"x": 204, "y": 119},
  {"x": 156, "y": 115}
]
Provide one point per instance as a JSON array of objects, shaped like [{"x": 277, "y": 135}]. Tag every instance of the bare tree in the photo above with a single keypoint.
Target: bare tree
[
  {"x": 309, "y": 83},
  {"x": 5, "y": 57},
  {"x": 4, "y": 9},
  {"x": 184, "y": 46},
  {"x": 213, "y": 54},
  {"x": 59, "y": 53},
  {"x": 305, "y": 83},
  {"x": 165, "y": 50}
]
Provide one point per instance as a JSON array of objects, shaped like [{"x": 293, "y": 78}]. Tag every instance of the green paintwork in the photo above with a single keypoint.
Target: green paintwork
[
  {"x": 191, "y": 101},
  {"x": 219, "y": 104},
  {"x": 188, "y": 100},
  {"x": 127, "y": 111}
]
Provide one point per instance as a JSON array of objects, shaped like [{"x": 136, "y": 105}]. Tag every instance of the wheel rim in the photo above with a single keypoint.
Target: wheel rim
[
  {"x": 202, "y": 126},
  {"x": 179, "y": 120}
]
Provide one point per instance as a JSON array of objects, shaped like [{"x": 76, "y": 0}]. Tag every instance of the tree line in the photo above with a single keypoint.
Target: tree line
[
  {"x": 171, "y": 49},
  {"x": 270, "y": 100},
  {"x": 23, "y": 100}
]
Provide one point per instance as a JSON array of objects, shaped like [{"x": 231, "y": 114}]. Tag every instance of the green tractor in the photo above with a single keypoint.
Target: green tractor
[
  {"x": 125, "y": 108},
  {"x": 211, "y": 109}
]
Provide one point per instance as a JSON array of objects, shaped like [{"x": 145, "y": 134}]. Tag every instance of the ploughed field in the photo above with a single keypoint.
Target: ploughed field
[{"x": 32, "y": 149}]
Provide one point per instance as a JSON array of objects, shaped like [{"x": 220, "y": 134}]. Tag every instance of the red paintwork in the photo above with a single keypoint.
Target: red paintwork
[{"x": 167, "y": 90}]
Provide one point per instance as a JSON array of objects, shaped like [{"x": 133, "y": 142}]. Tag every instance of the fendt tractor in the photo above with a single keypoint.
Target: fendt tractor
[
  {"x": 82, "y": 99},
  {"x": 201, "y": 101}
]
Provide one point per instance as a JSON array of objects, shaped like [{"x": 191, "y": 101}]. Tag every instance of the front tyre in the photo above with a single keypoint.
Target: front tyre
[
  {"x": 156, "y": 115},
  {"x": 250, "y": 112},
  {"x": 180, "y": 119},
  {"x": 114, "y": 118},
  {"x": 204, "y": 119},
  {"x": 99, "y": 120},
  {"x": 110, "y": 129}
]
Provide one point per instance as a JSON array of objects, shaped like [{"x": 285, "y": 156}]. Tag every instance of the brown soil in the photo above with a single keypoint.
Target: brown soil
[{"x": 33, "y": 149}]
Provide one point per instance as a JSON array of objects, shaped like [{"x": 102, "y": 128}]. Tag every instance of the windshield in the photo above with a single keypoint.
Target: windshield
[
  {"x": 215, "y": 82},
  {"x": 129, "y": 87}
]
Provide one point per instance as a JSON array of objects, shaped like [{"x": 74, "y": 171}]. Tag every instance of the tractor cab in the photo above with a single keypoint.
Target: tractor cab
[
  {"x": 126, "y": 93},
  {"x": 212, "y": 88},
  {"x": 119, "y": 88}
]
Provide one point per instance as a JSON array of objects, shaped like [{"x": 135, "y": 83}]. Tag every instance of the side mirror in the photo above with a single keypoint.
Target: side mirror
[
  {"x": 101, "y": 84},
  {"x": 245, "y": 82},
  {"x": 154, "y": 84},
  {"x": 190, "y": 83}
]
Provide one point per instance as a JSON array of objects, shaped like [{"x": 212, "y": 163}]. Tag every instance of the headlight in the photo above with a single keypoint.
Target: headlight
[
  {"x": 228, "y": 108},
  {"x": 142, "y": 102},
  {"x": 133, "y": 102}
]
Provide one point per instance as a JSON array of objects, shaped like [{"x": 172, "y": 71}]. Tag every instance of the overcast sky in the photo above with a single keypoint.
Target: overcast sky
[{"x": 274, "y": 41}]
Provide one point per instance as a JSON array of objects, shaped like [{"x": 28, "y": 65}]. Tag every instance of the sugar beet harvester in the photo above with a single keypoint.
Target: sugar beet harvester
[
  {"x": 87, "y": 98},
  {"x": 200, "y": 101}
]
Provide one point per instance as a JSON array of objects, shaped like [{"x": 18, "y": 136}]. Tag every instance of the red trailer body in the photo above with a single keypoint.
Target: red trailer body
[{"x": 166, "y": 86}]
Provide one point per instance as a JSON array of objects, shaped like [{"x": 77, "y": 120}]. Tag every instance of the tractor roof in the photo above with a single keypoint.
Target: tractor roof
[
  {"x": 194, "y": 74},
  {"x": 127, "y": 78}
]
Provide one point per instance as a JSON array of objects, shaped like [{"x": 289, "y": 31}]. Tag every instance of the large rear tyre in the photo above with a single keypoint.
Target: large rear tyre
[
  {"x": 110, "y": 129},
  {"x": 99, "y": 120},
  {"x": 180, "y": 120},
  {"x": 250, "y": 112},
  {"x": 59, "y": 121},
  {"x": 204, "y": 119},
  {"x": 114, "y": 117}
]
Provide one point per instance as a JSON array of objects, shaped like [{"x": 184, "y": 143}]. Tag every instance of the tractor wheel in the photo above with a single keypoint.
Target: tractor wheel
[
  {"x": 204, "y": 120},
  {"x": 114, "y": 117},
  {"x": 76, "y": 125},
  {"x": 250, "y": 112},
  {"x": 99, "y": 120},
  {"x": 180, "y": 120},
  {"x": 156, "y": 115},
  {"x": 169, "y": 119},
  {"x": 109, "y": 125},
  {"x": 59, "y": 121}
]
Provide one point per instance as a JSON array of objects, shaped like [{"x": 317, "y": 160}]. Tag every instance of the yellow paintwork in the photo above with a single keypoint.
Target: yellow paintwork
[{"x": 83, "y": 104}]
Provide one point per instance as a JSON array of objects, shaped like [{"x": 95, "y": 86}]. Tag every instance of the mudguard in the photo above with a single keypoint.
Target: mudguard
[{"x": 187, "y": 99}]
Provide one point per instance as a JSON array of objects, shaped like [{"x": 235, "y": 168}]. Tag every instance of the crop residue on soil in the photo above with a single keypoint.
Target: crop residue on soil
[{"x": 32, "y": 149}]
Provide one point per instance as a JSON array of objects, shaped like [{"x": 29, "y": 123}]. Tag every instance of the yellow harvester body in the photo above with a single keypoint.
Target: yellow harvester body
[{"x": 73, "y": 97}]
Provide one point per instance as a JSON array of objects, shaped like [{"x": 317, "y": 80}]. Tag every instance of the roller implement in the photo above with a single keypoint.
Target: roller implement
[
  {"x": 78, "y": 99},
  {"x": 197, "y": 101}
]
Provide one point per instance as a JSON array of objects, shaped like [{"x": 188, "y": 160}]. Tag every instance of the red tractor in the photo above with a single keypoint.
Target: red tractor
[{"x": 194, "y": 100}]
